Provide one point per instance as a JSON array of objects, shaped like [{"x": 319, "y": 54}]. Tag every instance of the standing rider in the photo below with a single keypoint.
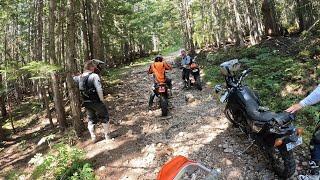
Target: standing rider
[
  {"x": 93, "y": 101},
  {"x": 186, "y": 70},
  {"x": 158, "y": 69},
  {"x": 314, "y": 163}
]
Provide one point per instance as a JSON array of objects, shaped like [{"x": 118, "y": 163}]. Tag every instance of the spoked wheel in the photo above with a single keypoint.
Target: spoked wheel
[
  {"x": 237, "y": 118},
  {"x": 282, "y": 162}
]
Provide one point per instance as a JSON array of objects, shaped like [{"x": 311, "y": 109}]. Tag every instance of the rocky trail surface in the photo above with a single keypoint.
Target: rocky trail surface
[{"x": 144, "y": 141}]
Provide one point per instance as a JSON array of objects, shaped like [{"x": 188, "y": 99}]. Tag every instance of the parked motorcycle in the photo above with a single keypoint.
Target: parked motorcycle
[
  {"x": 194, "y": 78},
  {"x": 273, "y": 132},
  {"x": 161, "y": 91}
]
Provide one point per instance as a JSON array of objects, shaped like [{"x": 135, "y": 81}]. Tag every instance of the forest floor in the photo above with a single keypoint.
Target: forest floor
[{"x": 143, "y": 140}]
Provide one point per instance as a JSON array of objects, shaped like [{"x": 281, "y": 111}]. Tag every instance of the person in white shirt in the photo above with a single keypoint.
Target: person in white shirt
[
  {"x": 91, "y": 91},
  {"x": 314, "y": 163},
  {"x": 185, "y": 63}
]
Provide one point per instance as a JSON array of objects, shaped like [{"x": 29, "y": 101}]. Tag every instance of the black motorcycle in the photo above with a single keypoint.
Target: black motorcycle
[{"x": 273, "y": 132}]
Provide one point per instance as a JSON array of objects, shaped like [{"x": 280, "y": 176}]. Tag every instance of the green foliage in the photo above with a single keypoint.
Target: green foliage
[
  {"x": 13, "y": 175},
  {"x": 63, "y": 162},
  {"x": 139, "y": 22},
  {"x": 305, "y": 53},
  {"x": 11, "y": 71},
  {"x": 273, "y": 74},
  {"x": 40, "y": 69}
]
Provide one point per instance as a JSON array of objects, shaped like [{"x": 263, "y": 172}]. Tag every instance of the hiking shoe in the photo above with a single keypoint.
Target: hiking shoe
[
  {"x": 94, "y": 140},
  {"x": 108, "y": 139}
]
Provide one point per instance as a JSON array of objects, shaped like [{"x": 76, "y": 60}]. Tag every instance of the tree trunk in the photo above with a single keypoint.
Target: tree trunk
[
  {"x": 3, "y": 109},
  {"x": 85, "y": 31},
  {"x": 239, "y": 31},
  {"x": 98, "y": 52},
  {"x": 271, "y": 25},
  {"x": 304, "y": 13},
  {"x": 252, "y": 22},
  {"x": 90, "y": 26},
  {"x": 57, "y": 97},
  {"x": 188, "y": 26},
  {"x": 38, "y": 49},
  {"x": 73, "y": 91},
  {"x": 46, "y": 102}
]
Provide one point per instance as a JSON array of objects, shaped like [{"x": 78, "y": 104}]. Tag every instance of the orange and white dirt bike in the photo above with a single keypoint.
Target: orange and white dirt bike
[{"x": 181, "y": 167}]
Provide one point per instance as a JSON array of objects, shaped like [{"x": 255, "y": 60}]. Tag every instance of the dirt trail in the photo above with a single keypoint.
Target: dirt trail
[{"x": 143, "y": 141}]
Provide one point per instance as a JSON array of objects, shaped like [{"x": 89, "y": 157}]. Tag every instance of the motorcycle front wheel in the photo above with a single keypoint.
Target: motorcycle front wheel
[
  {"x": 282, "y": 162},
  {"x": 164, "y": 104},
  {"x": 237, "y": 118}
]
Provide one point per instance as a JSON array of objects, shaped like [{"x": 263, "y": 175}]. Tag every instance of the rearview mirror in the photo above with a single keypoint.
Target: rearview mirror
[{"x": 218, "y": 88}]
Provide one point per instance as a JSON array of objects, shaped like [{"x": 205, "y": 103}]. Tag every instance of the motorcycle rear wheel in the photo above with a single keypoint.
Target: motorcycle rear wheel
[
  {"x": 164, "y": 104},
  {"x": 198, "y": 83},
  {"x": 282, "y": 162}
]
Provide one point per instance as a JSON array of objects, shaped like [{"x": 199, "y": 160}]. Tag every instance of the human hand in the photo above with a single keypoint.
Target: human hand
[{"x": 294, "y": 108}]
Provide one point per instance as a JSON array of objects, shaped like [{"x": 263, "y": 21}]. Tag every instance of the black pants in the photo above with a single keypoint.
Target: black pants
[
  {"x": 154, "y": 94},
  {"x": 315, "y": 146},
  {"x": 186, "y": 74},
  {"x": 96, "y": 111}
]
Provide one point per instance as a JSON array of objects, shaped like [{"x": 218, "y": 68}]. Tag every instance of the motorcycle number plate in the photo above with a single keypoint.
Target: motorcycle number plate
[
  {"x": 195, "y": 70},
  {"x": 224, "y": 97},
  {"x": 292, "y": 145},
  {"x": 162, "y": 89}
]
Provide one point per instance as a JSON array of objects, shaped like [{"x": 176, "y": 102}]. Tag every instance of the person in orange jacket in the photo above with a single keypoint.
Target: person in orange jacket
[{"x": 158, "y": 69}]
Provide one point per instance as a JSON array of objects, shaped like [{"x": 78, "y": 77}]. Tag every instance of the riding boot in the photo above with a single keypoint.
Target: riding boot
[
  {"x": 106, "y": 130},
  {"x": 152, "y": 95},
  {"x": 91, "y": 131}
]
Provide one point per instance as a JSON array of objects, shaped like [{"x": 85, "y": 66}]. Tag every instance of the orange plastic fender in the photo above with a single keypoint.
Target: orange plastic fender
[
  {"x": 170, "y": 170},
  {"x": 193, "y": 66}
]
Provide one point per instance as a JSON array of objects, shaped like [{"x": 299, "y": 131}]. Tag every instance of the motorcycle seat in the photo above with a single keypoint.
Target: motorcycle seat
[
  {"x": 261, "y": 114},
  {"x": 266, "y": 116}
]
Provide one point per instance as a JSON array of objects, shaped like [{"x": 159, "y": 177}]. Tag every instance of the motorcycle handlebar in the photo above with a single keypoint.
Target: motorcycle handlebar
[{"x": 243, "y": 75}]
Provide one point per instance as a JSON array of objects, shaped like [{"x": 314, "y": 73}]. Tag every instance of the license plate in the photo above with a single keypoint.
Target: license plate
[
  {"x": 162, "y": 89},
  {"x": 224, "y": 97},
  {"x": 292, "y": 145},
  {"x": 195, "y": 70}
]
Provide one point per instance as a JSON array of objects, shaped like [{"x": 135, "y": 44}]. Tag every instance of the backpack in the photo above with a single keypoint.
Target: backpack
[{"x": 88, "y": 91}]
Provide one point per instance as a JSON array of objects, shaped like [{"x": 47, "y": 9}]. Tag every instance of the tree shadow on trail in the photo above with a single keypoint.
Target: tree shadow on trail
[{"x": 21, "y": 149}]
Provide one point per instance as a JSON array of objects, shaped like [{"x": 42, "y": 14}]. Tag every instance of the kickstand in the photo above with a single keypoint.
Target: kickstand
[{"x": 247, "y": 148}]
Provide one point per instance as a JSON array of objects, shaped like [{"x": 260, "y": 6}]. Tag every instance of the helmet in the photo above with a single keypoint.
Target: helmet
[
  {"x": 158, "y": 58},
  {"x": 100, "y": 65}
]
